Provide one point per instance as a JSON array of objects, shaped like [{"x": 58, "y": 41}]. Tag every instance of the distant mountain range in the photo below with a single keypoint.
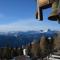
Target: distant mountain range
[{"x": 17, "y": 39}]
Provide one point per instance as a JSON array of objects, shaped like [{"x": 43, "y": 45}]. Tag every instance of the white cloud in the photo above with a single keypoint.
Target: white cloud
[
  {"x": 25, "y": 25},
  {"x": 21, "y": 25}
]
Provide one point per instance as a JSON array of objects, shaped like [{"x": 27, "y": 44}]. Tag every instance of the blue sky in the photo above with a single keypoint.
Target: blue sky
[{"x": 19, "y": 15}]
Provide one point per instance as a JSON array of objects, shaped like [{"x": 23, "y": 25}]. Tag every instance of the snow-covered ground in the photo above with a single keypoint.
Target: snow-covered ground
[{"x": 54, "y": 57}]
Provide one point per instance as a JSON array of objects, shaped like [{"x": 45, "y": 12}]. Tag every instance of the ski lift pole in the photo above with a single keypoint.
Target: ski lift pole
[{"x": 38, "y": 8}]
